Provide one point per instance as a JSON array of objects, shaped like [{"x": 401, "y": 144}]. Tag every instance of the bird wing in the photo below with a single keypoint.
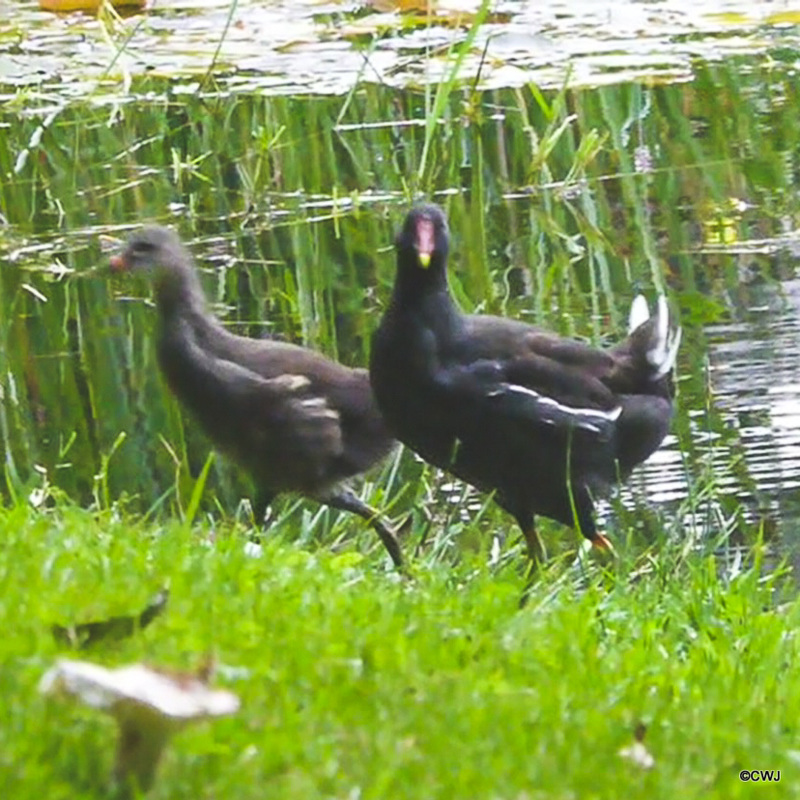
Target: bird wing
[
  {"x": 507, "y": 339},
  {"x": 504, "y": 368},
  {"x": 530, "y": 392},
  {"x": 572, "y": 386},
  {"x": 253, "y": 417}
]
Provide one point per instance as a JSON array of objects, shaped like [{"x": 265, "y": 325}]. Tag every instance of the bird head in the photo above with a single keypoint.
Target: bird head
[
  {"x": 150, "y": 249},
  {"x": 157, "y": 253},
  {"x": 423, "y": 241}
]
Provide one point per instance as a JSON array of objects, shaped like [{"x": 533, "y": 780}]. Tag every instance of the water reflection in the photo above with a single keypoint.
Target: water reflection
[
  {"x": 755, "y": 383},
  {"x": 304, "y": 46}
]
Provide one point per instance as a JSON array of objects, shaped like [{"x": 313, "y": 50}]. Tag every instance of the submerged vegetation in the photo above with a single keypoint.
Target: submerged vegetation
[{"x": 664, "y": 673}]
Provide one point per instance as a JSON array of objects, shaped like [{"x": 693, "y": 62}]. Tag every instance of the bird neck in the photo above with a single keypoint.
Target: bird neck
[
  {"x": 179, "y": 293},
  {"x": 426, "y": 300},
  {"x": 185, "y": 320},
  {"x": 413, "y": 285}
]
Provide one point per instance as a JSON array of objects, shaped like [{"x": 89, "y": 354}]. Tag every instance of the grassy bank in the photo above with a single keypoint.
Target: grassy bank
[{"x": 357, "y": 685}]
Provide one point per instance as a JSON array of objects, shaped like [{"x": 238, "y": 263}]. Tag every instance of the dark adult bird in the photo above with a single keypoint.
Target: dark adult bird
[
  {"x": 544, "y": 422},
  {"x": 295, "y": 420}
]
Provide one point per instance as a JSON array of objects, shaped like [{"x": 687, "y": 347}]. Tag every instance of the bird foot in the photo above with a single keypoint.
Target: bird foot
[{"x": 601, "y": 542}]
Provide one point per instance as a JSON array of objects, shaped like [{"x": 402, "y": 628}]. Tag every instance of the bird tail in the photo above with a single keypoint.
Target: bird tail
[{"x": 653, "y": 341}]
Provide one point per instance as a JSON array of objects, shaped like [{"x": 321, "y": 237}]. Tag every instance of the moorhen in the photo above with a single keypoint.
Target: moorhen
[
  {"x": 544, "y": 422},
  {"x": 295, "y": 420}
]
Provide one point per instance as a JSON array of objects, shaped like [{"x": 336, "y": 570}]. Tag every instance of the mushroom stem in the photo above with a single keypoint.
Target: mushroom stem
[{"x": 139, "y": 750}]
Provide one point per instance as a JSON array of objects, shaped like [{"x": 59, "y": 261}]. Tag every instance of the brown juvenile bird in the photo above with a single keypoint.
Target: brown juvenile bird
[
  {"x": 293, "y": 419},
  {"x": 544, "y": 422}
]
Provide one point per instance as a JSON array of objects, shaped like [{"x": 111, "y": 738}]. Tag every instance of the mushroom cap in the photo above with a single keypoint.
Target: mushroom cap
[{"x": 180, "y": 698}]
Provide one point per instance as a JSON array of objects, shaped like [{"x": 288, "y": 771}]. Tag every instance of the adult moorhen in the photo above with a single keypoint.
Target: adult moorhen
[
  {"x": 295, "y": 420},
  {"x": 544, "y": 422}
]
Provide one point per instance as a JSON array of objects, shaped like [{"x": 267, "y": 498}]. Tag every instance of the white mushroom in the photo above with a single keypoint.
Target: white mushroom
[{"x": 149, "y": 706}]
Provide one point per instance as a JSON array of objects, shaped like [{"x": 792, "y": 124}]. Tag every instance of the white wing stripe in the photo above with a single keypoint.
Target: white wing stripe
[{"x": 610, "y": 416}]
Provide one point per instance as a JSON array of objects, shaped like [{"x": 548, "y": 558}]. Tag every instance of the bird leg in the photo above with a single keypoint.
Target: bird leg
[
  {"x": 527, "y": 524},
  {"x": 584, "y": 521},
  {"x": 537, "y": 555},
  {"x": 260, "y": 503},
  {"x": 345, "y": 500},
  {"x": 536, "y": 552}
]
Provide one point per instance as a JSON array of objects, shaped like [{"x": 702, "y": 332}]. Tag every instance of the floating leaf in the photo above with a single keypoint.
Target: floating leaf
[
  {"x": 783, "y": 18},
  {"x": 92, "y": 6}
]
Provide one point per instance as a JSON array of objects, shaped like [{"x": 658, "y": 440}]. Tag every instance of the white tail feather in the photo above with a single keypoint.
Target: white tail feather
[
  {"x": 640, "y": 313},
  {"x": 662, "y": 315},
  {"x": 664, "y": 346},
  {"x": 672, "y": 353}
]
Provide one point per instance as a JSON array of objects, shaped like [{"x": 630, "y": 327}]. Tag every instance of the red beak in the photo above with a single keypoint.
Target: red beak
[
  {"x": 117, "y": 263},
  {"x": 426, "y": 241}
]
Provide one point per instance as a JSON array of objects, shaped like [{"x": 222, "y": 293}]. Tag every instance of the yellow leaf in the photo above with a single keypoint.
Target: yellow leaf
[
  {"x": 405, "y": 6},
  {"x": 783, "y": 17},
  {"x": 87, "y": 5}
]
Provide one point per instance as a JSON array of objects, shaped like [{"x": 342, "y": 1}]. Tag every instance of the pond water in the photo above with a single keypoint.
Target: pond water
[
  {"x": 670, "y": 162},
  {"x": 318, "y": 46}
]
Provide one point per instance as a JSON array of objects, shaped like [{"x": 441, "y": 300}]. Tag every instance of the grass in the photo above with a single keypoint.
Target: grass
[{"x": 357, "y": 685}]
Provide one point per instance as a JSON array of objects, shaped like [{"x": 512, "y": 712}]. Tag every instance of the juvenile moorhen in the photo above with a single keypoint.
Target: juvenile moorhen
[
  {"x": 544, "y": 422},
  {"x": 295, "y": 420}
]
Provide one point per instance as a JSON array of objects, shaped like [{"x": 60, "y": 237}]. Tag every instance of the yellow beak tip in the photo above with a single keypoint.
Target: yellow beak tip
[{"x": 425, "y": 260}]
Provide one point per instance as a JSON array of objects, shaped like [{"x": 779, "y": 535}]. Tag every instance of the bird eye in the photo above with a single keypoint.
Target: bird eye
[{"x": 143, "y": 248}]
